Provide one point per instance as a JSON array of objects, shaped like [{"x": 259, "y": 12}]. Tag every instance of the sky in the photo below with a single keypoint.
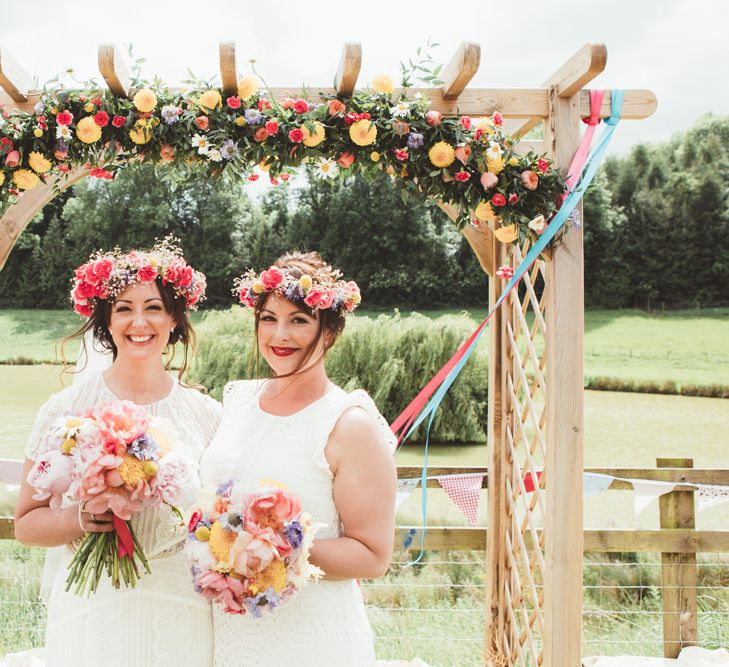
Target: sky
[{"x": 676, "y": 48}]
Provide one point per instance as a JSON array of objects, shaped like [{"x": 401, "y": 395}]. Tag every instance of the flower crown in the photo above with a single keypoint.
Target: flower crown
[
  {"x": 107, "y": 275},
  {"x": 317, "y": 292}
]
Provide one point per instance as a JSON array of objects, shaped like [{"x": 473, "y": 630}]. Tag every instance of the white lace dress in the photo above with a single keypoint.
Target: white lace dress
[
  {"x": 161, "y": 622},
  {"x": 325, "y": 623}
]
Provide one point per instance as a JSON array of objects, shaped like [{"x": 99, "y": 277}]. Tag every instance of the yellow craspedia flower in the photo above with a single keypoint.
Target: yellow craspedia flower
[
  {"x": 258, "y": 287},
  {"x": 240, "y": 121},
  {"x": 484, "y": 212},
  {"x": 210, "y": 100},
  {"x": 305, "y": 281},
  {"x": 150, "y": 469},
  {"x": 221, "y": 541},
  {"x": 513, "y": 161},
  {"x": 141, "y": 132},
  {"x": 382, "y": 84},
  {"x": 356, "y": 297},
  {"x": 313, "y": 139},
  {"x": 274, "y": 575},
  {"x": 202, "y": 533},
  {"x": 25, "y": 179},
  {"x": 247, "y": 86},
  {"x": 495, "y": 164},
  {"x": 68, "y": 445},
  {"x": 375, "y": 156},
  {"x": 131, "y": 470},
  {"x": 88, "y": 131},
  {"x": 442, "y": 154},
  {"x": 38, "y": 163},
  {"x": 2, "y": 178},
  {"x": 506, "y": 234},
  {"x": 145, "y": 100},
  {"x": 363, "y": 132},
  {"x": 38, "y": 132}
]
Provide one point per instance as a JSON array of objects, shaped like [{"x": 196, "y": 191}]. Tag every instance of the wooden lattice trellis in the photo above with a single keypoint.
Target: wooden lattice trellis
[{"x": 534, "y": 544}]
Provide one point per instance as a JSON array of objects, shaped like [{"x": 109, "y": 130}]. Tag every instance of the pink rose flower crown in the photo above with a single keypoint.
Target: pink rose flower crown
[
  {"x": 107, "y": 275},
  {"x": 314, "y": 291}
]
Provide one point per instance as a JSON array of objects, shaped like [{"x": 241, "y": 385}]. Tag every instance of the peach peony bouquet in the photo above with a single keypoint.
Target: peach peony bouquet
[
  {"x": 118, "y": 458},
  {"x": 250, "y": 551}
]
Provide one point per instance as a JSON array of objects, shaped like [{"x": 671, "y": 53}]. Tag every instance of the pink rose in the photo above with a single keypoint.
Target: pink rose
[
  {"x": 147, "y": 273},
  {"x": 513, "y": 198},
  {"x": 489, "y": 180},
  {"x": 101, "y": 118},
  {"x": 336, "y": 107},
  {"x": 327, "y": 299},
  {"x": 498, "y": 200},
  {"x": 118, "y": 121},
  {"x": 314, "y": 297},
  {"x": 433, "y": 118},
  {"x": 83, "y": 291},
  {"x": 97, "y": 271},
  {"x": 272, "y": 278},
  {"x": 263, "y": 103},
  {"x": 401, "y": 154},
  {"x": 466, "y": 122},
  {"x": 261, "y": 134},
  {"x": 221, "y": 588},
  {"x": 529, "y": 179},
  {"x": 271, "y": 127},
  {"x": 498, "y": 119},
  {"x": 202, "y": 123},
  {"x": 462, "y": 176},
  {"x": 83, "y": 309},
  {"x": 287, "y": 102},
  {"x": 463, "y": 153},
  {"x": 64, "y": 118},
  {"x": 296, "y": 135},
  {"x": 542, "y": 165},
  {"x": 233, "y": 102},
  {"x": 301, "y": 106},
  {"x": 13, "y": 159}
]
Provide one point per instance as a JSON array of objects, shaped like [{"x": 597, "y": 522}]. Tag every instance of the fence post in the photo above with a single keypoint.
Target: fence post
[{"x": 678, "y": 571}]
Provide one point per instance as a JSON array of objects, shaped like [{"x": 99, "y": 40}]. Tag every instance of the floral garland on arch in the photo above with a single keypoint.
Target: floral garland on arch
[{"x": 467, "y": 162}]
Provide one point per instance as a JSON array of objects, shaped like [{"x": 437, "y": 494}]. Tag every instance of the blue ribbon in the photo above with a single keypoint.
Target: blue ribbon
[{"x": 592, "y": 164}]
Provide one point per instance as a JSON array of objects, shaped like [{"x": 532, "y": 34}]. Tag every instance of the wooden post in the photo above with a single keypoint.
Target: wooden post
[
  {"x": 564, "y": 406},
  {"x": 349, "y": 67},
  {"x": 679, "y": 575},
  {"x": 228, "y": 68}
]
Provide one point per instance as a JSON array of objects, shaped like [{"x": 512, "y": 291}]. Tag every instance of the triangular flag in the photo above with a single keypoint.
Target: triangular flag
[
  {"x": 593, "y": 483},
  {"x": 530, "y": 483},
  {"x": 404, "y": 488},
  {"x": 646, "y": 491},
  {"x": 464, "y": 491},
  {"x": 711, "y": 494}
]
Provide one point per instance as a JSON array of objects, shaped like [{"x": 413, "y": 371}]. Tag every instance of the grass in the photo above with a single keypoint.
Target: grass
[{"x": 686, "y": 347}]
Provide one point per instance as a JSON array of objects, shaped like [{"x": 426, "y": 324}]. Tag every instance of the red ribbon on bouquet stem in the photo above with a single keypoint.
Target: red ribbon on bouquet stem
[{"x": 126, "y": 543}]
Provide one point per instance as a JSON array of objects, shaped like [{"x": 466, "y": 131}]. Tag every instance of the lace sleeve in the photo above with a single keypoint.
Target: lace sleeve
[
  {"x": 361, "y": 398},
  {"x": 51, "y": 410}
]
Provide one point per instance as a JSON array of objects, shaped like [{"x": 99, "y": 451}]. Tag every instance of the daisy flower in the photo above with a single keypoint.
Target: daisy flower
[
  {"x": 400, "y": 110},
  {"x": 214, "y": 155},
  {"x": 64, "y": 132},
  {"x": 201, "y": 143},
  {"x": 326, "y": 168}
]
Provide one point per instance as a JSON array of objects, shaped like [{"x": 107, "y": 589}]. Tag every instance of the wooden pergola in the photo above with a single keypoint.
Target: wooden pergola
[{"x": 535, "y": 413}]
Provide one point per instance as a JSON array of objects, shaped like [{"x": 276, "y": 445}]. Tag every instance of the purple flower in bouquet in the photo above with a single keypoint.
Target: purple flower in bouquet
[
  {"x": 294, "y": 532},
  {"x": 415, "y": 140},
  {"x": 253, "y": 116}
]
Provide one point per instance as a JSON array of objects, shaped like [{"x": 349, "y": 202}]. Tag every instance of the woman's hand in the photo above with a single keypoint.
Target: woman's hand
[{"x": 95, "y": 523}]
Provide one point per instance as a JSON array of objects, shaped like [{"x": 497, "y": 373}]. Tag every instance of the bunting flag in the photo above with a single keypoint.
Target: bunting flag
[
  {"x": 711, "y": 495},
  {"x": 594, "y": 483},
  {"x": 404, "y": 488},
  {"x": 646, "y": 491},
  {"x": 529, "y": 481},
  {"x": 464, "y": 491}
]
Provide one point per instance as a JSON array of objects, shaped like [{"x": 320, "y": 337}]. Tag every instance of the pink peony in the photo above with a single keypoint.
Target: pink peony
[
  {"x": 51, "y": 477},
  {"x": 272, "y": 278},
  {"x": 529, "y": 179},
  {"x": 121, "y": 422},
  {"x": 327, "y": 299},
  {"x": 275, "y": 507},
  {"x": 252, "y": 553},
  {"x": 489, "y": 180},
  {"x": 218, "y": 587}
]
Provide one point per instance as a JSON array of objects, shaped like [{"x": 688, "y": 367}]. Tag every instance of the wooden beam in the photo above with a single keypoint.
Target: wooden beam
[
  {"x": 13, "y": 78},
  {"x": 511, "y": 102},
  {"x": 17, "y": 217},
  {"x": 228, "y": 68},
  {"x": 349, "y": 67},
  {"x": 575, "y": 74},
  {"x": 114, "y": 69},
  {"x": 460, "y": 70}
]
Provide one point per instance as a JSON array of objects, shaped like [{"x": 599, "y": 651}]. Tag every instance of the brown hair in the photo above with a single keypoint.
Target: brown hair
[
  {"x": 331, "y": 322},
  {"x": 98, "y": 324}
]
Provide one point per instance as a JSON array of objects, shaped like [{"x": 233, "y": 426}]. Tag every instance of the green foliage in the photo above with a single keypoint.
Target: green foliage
[{"x": 391, "y": 357}]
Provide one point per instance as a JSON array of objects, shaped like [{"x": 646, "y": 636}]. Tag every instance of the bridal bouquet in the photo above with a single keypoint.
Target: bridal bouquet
[
  {"x": 116, "y": 458},
  {"x": 250, "y": 551}
]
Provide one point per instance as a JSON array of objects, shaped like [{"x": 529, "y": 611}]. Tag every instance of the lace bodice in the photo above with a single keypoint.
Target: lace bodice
[{"x": 194, "y": 415}]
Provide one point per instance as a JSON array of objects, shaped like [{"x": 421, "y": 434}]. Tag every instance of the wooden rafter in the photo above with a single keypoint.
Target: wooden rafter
[
  {"x": 13, "y": 79},
  {"x": 349, "y": 67},
  {"x": 228, "y": 68},
  {"x": 114, "y": 69},
  {"x": 460, "y": 70}
]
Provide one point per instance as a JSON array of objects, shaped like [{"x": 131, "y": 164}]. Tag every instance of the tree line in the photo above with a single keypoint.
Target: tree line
[{"x": 656, "y": 227}]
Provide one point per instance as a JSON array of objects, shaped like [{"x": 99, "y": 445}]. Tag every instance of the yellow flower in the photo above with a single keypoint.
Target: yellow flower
[
  {"x": 513, "y": 161},
  {"x": 442, "y": 154},
  {"x": 2, "y": 178},
  {"x": 38, "y": 132},
  {"x": 140, "y": 133},
  {"x": 312, "y": 140},
  {"x": 221, "y": 541},
  {"x": 274, "y": 575},
  {"x": 495, "y": 164},
  {"x": 375, "y": 156},
  {"x": 240, "y": 121},
  {"x": 202, "y": 533},
  {"x": 486, "y": 125},
  {"x": 305, "y": 281},
  {"x": 88, "y": 131},
  {"x": 150, "y": 469},
  {"x": 258, "y": 287},
  {"x": 247, "y": 86},
  {"x": 356, "y": 297},
  {"x": 506, "y": 234},
  {"x": 89, "y": 107},
  {"x": 210, "y": 100},
  {"x": 382, "y": 84},
  {"x": 363, "y": 132},
  {"x": 145, "y": 100},
  {"x": 484, "y": 212},
  {"x": 25, "y": 179},
  {"x": 38, "y": 163},
  {"x": 68, "y": 445},
  {"x": 131, "y": 470}
]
